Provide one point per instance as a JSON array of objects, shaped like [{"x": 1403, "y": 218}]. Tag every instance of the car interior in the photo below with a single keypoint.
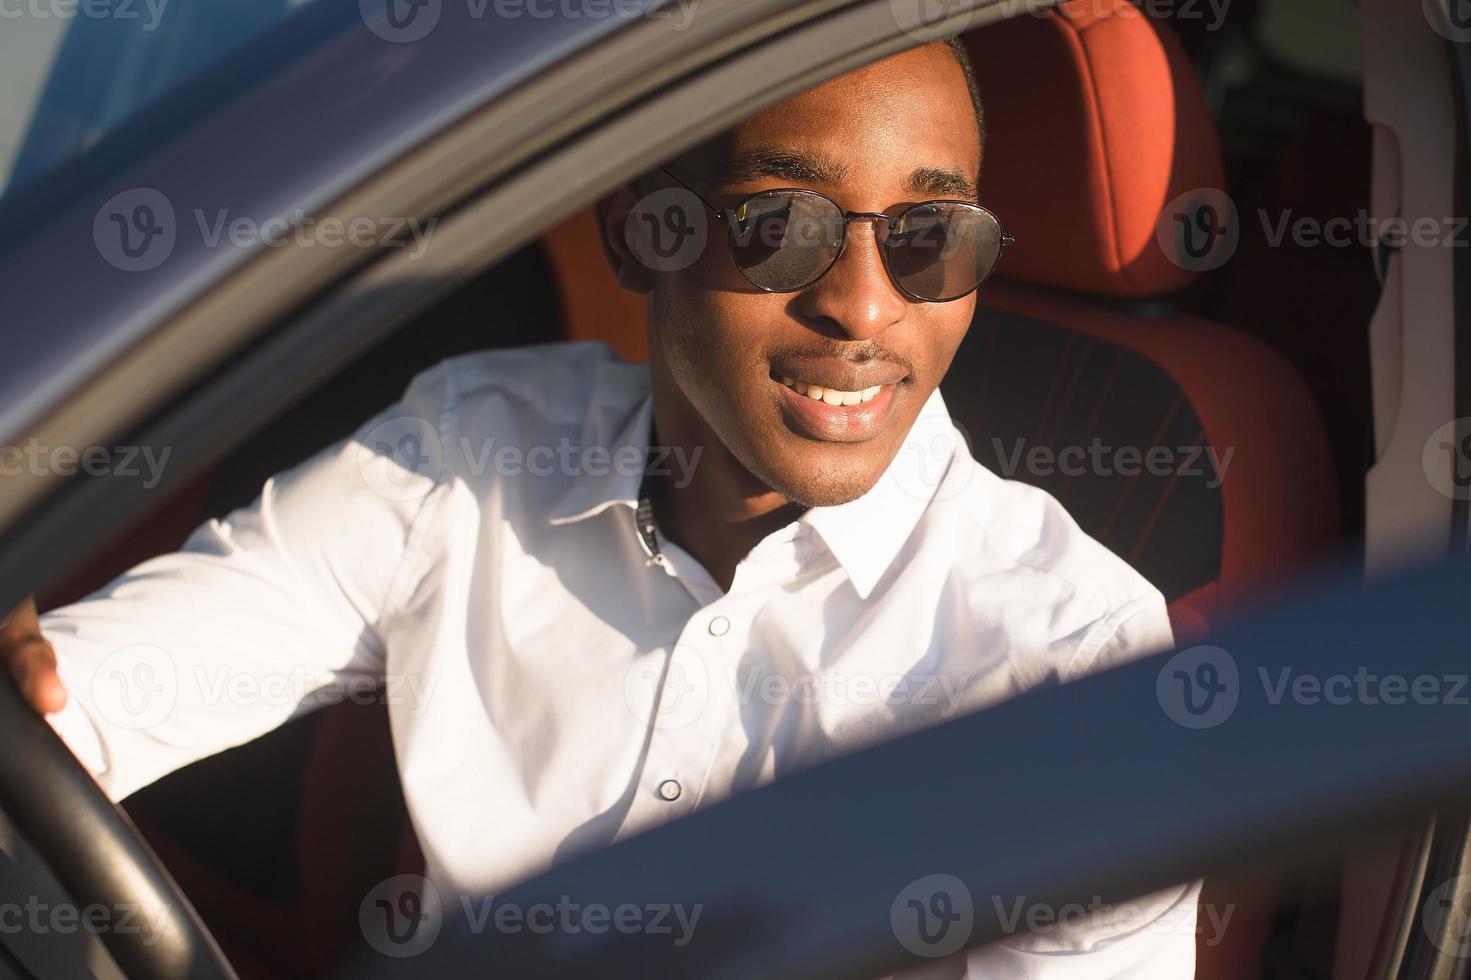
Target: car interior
[{"x": 1086, "y": 333}]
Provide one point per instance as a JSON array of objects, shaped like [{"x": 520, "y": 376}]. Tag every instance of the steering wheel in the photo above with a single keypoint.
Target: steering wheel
[{"x": 95, "y": 851}]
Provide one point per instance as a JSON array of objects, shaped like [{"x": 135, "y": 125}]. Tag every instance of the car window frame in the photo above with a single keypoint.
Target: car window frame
[{"x": 279, "y": 322}]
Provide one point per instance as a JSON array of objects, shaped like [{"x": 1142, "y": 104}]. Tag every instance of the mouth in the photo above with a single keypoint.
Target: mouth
[
  {"x": 836, "y": 403},
  {"x": 831, "y": 396}
]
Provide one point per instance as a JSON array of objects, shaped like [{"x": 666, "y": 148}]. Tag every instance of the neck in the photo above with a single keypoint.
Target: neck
[{"x": 716, "y": 509}]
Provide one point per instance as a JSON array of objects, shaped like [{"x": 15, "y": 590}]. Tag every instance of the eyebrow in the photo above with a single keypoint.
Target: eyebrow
[
  {"x": 808, "y": 168},
  {"x": 943, "y": 182}
]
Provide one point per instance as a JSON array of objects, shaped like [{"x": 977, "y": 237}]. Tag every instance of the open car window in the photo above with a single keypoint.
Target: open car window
[
  {"x": 90, "y": 88},
  {"x": 67, "y": 78}
]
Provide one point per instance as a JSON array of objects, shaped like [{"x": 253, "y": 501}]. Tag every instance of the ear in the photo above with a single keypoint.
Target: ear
[{"x": 613, "y": 211}]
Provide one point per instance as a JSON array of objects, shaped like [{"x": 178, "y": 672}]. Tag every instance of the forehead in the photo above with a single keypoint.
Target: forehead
[{"x": 884, "y": 120}]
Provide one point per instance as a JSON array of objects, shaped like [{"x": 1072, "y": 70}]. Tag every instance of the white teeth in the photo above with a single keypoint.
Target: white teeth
[
  {"x": 831, "y": 396},
  {"x": 800, "y": 387}
]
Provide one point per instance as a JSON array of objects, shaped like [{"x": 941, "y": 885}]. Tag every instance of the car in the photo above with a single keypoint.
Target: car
[{"x": 1225, "y": 338}]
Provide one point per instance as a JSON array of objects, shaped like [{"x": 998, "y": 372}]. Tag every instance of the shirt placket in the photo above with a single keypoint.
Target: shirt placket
[
  {"x": 697, "y": 695},
  {"x": 696, "y": 704}
]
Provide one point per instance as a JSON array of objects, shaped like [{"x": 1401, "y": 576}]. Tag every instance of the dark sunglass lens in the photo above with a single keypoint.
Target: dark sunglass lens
[
  {"x": 783, "y": 241},
  {"x": 942, "y": 251}
]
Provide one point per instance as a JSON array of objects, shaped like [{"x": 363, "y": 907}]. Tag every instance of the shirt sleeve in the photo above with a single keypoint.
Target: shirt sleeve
[
  {"x": 1150, "y": 938},
  {"x": 262, "y": 615},
  {"x": 1136, "y": 629}
]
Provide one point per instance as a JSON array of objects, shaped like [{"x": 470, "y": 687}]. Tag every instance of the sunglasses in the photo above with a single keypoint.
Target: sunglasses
[{"x": 786, "y": 239}]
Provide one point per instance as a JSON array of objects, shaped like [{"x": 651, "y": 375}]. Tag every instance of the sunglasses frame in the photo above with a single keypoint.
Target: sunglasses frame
[{"x": 725, "y": 215}]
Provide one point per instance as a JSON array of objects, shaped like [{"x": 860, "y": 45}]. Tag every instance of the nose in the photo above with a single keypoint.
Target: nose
[{"x": 856, "y": 299}]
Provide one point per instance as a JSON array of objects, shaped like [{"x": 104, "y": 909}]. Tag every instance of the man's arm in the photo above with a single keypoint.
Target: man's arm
[
  {"x": 1150, "y": 938},
  {"x": 272, "y": 611}
]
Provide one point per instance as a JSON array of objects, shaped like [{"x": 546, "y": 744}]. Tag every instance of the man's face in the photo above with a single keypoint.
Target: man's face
[{"x": 878, "y": 139}]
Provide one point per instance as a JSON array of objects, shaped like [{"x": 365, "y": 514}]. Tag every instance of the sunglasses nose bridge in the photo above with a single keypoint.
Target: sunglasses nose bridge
[
  {"x": 877, "y": 216},
  {"x": 879, "y": 219}
]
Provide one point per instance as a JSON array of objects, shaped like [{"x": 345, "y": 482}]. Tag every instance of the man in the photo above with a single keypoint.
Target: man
[{"x": 581, "y": 651}]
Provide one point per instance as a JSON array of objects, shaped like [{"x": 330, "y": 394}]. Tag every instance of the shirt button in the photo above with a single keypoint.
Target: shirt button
[
  {"x": 719, "y": 626},
  {"x": 669, "y": 790}
]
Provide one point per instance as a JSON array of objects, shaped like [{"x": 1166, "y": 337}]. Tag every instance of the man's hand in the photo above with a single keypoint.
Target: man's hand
[{"x": 31, "y": 660}]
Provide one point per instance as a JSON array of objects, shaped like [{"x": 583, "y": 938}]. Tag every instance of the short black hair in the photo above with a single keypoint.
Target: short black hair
[{"x": 957, "y": 48}]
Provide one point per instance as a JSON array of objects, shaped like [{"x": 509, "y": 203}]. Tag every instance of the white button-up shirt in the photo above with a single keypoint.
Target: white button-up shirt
[{"x": 475, "y": 549}]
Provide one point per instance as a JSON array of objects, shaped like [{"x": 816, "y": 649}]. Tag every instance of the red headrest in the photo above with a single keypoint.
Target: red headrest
[{"x": 1094, "y": 122}]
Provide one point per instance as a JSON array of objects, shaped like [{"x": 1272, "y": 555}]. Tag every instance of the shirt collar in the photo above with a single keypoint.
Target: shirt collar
[
  {"x": 623, "y": 428},
  {"x": 864, "y": 534}
]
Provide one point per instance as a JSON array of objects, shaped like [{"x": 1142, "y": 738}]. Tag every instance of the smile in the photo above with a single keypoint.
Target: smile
[
  {"x": 835, "y": 414},
  {"x": 832, "y": 396}
]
